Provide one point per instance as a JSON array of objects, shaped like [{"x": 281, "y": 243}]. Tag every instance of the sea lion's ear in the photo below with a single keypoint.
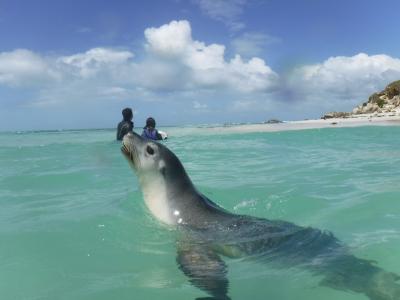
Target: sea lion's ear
[{"x": 205, "y": 269}]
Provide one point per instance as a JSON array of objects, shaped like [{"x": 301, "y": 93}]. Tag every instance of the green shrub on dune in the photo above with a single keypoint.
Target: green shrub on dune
[{"x": 393, "y": 89}]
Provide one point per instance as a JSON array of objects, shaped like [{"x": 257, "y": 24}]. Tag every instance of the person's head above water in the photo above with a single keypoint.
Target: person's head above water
[
  {"x": 127, "y": 114},
  {"x": 150, "y": 123}
]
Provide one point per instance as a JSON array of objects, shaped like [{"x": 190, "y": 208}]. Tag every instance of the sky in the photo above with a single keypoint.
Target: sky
[{"x": 77, "y": 64}]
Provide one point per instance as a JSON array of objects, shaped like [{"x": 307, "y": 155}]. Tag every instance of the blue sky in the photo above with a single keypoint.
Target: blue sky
[{"x": 76, "y": 64}]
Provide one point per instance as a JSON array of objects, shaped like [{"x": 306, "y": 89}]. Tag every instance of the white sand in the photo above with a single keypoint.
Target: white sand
[{"x": 383, "y": 119}]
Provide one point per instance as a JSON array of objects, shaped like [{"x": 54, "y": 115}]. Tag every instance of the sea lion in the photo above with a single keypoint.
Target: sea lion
[{"x": 206, "y": 232}]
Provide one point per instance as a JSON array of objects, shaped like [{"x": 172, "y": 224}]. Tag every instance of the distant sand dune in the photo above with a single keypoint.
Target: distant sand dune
[{"x": 359, "y": 120}]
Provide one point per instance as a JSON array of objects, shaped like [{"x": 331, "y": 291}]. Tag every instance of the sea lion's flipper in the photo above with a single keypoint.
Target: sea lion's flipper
[
  {"x": 359, "y": 275},
  {"x": 205, "y": 269}
]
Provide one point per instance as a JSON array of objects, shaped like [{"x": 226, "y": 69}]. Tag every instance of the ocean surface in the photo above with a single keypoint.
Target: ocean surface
[{"x": 73, "y": 224}]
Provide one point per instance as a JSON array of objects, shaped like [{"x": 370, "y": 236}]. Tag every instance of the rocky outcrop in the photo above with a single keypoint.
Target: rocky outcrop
[
  {"x": 273, "y": 121},
  {"x": 336, "y": 114},
  {"x": 385, "y": 101}
]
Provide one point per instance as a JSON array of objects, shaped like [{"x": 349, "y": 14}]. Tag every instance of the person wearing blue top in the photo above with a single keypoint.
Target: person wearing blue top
[
  {"x": 149, "y": 131},
  {"x": 126, "y": 125}
]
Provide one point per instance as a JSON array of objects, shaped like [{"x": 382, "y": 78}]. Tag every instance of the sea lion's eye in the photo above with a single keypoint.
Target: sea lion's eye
[{"x": 149, "y": 150}]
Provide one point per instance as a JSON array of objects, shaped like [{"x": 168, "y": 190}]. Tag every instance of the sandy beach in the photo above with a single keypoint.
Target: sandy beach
[{"x": 382, "y": 119}]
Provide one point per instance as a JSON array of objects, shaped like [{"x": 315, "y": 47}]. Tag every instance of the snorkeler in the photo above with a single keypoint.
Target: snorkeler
[
  {"x": 149, "y": 131},
  {"x": 126, "y": 125}
]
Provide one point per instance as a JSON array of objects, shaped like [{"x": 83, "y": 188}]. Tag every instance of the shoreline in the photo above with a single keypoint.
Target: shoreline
[
  {"x": 388, "y": 119},
  {"x": 382, "y": 119}
]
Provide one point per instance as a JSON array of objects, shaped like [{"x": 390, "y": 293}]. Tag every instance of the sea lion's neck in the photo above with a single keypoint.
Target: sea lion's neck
[{"x": 156, "y": 199}]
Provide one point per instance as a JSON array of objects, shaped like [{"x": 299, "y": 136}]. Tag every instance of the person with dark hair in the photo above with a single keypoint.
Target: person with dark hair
[
  {"x": 126, "y": 125},
  {"x": 149, "y": 131}
]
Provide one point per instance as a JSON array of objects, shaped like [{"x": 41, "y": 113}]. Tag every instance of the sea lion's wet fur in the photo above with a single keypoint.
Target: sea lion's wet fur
[{"x": 206, "y": 232}]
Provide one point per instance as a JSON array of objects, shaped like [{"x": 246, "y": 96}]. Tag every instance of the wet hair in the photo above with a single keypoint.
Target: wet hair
[
  {"x": 127, "y": 114},
  {"x": 150, "y": 122}
]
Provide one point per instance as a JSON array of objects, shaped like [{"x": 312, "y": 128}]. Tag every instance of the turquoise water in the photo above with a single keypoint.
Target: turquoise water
[{"x": 73, "y": 224}]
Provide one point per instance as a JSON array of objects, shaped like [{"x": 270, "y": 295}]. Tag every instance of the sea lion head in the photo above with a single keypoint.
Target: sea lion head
[{"x": 161, "y": 175}]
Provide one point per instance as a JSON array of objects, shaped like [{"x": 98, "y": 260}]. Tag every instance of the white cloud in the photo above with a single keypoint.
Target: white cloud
[
  {"x": 205, "y": 64},
  {"x": 254, "y": 75},
  {"x": 226, "y": 11},
  {"x": 350, "y": 76},
  {"x": 341, "y": 82},
  {"x": 174, "y": 40},
  {"x": 158, "y": 75},
  {"x": 170, "y": 39},
  {"x": 202, "y": 57},
  {"x": 23, "y": 67},
  {"x": 176, "y": 67},
  {"x": 94, "y": 60},
  {"x": 174, "y": 61}
]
